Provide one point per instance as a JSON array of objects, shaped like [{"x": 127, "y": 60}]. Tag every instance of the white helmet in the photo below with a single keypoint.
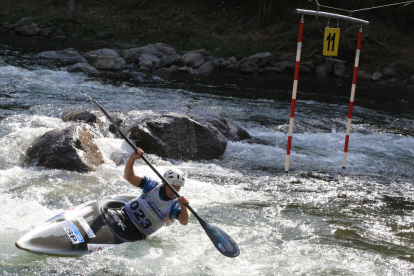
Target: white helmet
[{"x": 175, "y": 177}]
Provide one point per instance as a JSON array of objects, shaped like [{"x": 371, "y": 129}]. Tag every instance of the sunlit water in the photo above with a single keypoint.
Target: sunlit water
[{"x": 316, "y": 220}]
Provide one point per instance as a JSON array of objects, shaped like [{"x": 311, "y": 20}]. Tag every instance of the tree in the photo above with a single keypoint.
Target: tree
[{"x": 75, "y": 8}]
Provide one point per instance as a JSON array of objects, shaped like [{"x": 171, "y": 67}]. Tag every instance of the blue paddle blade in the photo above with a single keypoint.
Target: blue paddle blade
[{"x": 221, "y": 240}]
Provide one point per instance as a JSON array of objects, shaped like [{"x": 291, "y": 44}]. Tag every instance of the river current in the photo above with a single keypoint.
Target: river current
[{"x": 318, "y": 219}]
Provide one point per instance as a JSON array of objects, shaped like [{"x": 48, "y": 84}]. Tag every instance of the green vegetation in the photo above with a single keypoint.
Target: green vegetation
[{"x": 236, "y": 27}]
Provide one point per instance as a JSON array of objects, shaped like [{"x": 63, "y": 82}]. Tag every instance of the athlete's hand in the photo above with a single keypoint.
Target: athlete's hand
[
  {"x": 182, "y": 201},
  {"x": 135, "y": 155}
]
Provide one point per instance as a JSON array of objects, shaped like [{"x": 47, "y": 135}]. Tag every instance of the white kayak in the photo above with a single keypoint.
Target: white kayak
[{"x": 83, "y": 229}]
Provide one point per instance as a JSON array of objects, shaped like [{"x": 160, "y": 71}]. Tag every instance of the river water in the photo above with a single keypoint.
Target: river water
[{"x": 318, "y": 219}]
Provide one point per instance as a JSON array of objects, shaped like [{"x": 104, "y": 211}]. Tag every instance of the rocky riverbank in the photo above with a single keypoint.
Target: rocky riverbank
[{"x": 163, "y": 60}]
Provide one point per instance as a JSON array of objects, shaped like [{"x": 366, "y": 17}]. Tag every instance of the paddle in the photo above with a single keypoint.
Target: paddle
[{"x": 221, "y": 240}]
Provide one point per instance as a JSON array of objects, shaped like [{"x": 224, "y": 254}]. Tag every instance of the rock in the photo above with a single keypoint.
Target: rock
[
  {"x": 179, "y": 61},
  {"x": 208, "y": 68},
  {"x": 271, "y": 70},
  {"x": 243, "y": 60},
  {"x": 177, "y": 136},
  {"x": 339, "y": 69},
  {"x": 193, "y": 60},
  {"x": 166, "y": 49},
  {"x": 145, "y": 69},
  {"x": 207, "y": 115},
  {"x": 81, "y": 67},
  {"x": 103, "y": 52},
  {"x": 304, "y": 70},
  {"x": 110, "y": 63},
  {"x": 376, "y": 76},
  {"x": 31, "y": 30},
  {"x": 291, "y": 57},
  {"x": 46, "y": 32},
  {"x": 167, "y": 61},
  {"x": 216, "y": 60},
  {"x": 25, "y": 21},
  {"x": 249, "y": 68},
  {"x": 103, "y": 34},
  {"x": 310, "y": 65},
  {"x": 289, "y": 66},
  {"x": 118, "y": 118},
  {"x": 362, "y": 75},
  {"x": 71, "y": 149},
  {"x": 411, "y": 79},
  {"x": 237, "y": 133},
  {"x": 203, "y": 52},
  {"x": 130, "y": 56},
  {"x": 165, "y": 72},
  {"x": 187, "y": 70},
  {"x": 325, "y": 68},
  {"x": 233, "y": 68},
  {"x": 279, "y": 66},
  {"x": 233, "y": 60},
  {"x": 81, "y": 116},
  {"x": 261, "y": 59},
  {"x": 225, "y": 65},
  {"x": 156, "y": 62},
  {"x": 146, "y": 63},
  {"x": 67, "y": 56},
  {"x": 150, "y": 49},
  {"x": 390, "y": 72}
]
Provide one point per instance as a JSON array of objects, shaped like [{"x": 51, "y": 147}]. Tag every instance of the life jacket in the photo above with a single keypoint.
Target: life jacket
[{"x": 149, "y": 212}]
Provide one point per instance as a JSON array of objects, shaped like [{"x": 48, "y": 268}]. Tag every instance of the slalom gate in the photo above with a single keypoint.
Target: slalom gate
[{"x": 331, "y": 42}]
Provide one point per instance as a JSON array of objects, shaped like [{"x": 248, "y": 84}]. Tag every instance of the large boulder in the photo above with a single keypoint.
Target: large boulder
[
  {"x": 67, "y": 56},
  {"x": 177, "y": 136},
  {"x": 207, "y": 115},
  {"x": 71, "y": 149}
]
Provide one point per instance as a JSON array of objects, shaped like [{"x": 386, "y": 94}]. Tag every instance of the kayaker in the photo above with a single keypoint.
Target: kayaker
[{"x": 157, "y": 204}]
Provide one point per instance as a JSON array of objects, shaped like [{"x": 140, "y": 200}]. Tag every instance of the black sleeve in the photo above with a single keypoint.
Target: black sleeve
[{"x": 143, "y": 181}]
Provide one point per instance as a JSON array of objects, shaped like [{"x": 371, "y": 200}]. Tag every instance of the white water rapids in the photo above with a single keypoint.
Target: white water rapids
[{"x": 316, "y": 220}]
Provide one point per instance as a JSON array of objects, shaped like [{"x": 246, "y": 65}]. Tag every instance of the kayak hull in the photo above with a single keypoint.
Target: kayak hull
[{"x": 79, "y": 231}]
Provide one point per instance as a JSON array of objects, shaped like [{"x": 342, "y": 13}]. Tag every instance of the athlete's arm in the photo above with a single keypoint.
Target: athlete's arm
[
  {"x": 129, "y": 173},
  {"x": 183, "y": 217}
]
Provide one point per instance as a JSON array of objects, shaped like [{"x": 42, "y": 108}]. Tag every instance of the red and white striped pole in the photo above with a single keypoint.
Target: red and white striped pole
[
  {"x": 295, "y": 88},
  {"x": 351, "y": 103}
]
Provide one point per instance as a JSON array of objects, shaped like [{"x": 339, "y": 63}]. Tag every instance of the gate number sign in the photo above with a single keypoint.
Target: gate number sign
[{"x": 331, "y": 42}]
